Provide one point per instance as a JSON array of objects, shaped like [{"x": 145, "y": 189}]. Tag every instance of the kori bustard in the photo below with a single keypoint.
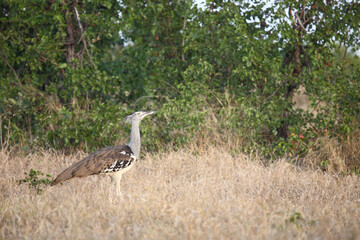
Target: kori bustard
[{"x": 114, "y": 160}]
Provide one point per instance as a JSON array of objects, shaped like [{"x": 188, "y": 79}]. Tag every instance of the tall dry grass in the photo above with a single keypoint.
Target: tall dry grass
[
  {"x": 334, "y": 156},
  {"x": 187, "y": 194}
]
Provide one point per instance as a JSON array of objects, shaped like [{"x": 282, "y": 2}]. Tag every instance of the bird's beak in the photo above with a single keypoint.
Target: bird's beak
[
  {"x": 146, "y": 114},
  {"x": 149, "y": 113}
]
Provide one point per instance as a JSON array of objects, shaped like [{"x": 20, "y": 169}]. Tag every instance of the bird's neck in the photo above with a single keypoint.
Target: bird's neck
[{"x": 135, "y": 140}]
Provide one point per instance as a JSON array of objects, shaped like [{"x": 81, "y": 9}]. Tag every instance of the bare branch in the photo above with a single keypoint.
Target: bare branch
[
  {"x": 7, "y": 63},
  {"x": 44, "y": 59},
  {"x": 302, "y": 14},
  {"x": 183, "y": 42},
  {"x": 90, "y": 56},
  {"x": 273, "y": 94},
  {"x": 78, "y": 19},
  {"x": 345, "y": 51},
  {"x": 170, "y": 40},
  {"x": 308, "y": 21},
  {"x": 300, "y": 23},
  {"x": 82, "y": 38},
  {"x": 80, "y": 24}
]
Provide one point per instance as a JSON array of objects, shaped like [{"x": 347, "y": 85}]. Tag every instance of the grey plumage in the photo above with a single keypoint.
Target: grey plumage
[{"x": 114, "y": 160}]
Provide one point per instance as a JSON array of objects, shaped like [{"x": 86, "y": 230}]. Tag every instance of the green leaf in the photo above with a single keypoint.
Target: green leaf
[
  {"x": 107, "y": 4},
  {"x": 62, "y": 65}
]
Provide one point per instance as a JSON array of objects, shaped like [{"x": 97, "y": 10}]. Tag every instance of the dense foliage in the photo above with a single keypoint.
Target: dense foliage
[{"x": 70, "y": 70}]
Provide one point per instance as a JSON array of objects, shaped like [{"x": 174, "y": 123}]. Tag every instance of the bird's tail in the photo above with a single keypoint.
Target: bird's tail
[
  {"x": 62, "y": 177},
  {"x": 65, "y": 175},
  {"x": 54, "y": 182},
  {"x": 76, "y": 170}
]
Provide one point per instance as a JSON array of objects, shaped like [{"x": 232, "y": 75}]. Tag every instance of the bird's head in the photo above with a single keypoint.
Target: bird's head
[{"x": 137, "y": 116}]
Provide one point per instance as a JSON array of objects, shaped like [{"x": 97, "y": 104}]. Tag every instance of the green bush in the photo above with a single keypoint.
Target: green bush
[
  {"x": 230, "y": 67},
  {"x": 34, "y": 182}
]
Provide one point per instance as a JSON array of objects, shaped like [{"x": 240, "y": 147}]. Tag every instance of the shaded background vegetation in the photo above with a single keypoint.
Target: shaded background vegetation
[{"x": 228, "y": 71}]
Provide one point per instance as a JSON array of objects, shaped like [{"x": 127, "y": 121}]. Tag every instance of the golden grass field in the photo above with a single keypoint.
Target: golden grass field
[{"x": 183, "y": 194}]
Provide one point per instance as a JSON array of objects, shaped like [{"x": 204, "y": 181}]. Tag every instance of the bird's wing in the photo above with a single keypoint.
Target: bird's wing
[{"x": 109, "y": 159}]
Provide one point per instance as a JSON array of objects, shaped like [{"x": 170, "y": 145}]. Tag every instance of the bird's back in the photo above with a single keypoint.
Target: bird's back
[{"x": 105, "y": 160}]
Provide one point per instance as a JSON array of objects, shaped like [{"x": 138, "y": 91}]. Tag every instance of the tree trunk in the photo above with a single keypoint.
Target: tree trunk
[
  {"x": 70, "y": 38},
  {"x": 292, "y": 57}
]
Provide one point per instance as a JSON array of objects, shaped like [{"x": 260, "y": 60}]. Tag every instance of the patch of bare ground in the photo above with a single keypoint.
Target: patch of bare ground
[{"x": 185, "y": 194}]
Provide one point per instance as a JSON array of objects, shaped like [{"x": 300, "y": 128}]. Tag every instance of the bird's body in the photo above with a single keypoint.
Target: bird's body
[
  {"x": 107, "y": 160},
  {"x": 114, "y": 160}
]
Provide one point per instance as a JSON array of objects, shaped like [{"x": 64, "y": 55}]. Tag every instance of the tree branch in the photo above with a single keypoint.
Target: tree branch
[
  {"x": 82, "y": 39},
  {"x": 183, "y": 42},
  {"x": 170, "y": 40},
  {"x": 80, "y": 25},
  {"x": 300, "y": 23},
  {"x": 7, "y": 63}
]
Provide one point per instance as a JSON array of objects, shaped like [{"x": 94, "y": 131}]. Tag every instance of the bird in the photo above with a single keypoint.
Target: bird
[{"x": 113, "y": 160}]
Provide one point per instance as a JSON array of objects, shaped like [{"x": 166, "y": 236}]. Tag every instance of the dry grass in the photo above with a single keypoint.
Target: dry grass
[
  {"x": 180, "y": 195},
  {"x": 339, "y": 157}
]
